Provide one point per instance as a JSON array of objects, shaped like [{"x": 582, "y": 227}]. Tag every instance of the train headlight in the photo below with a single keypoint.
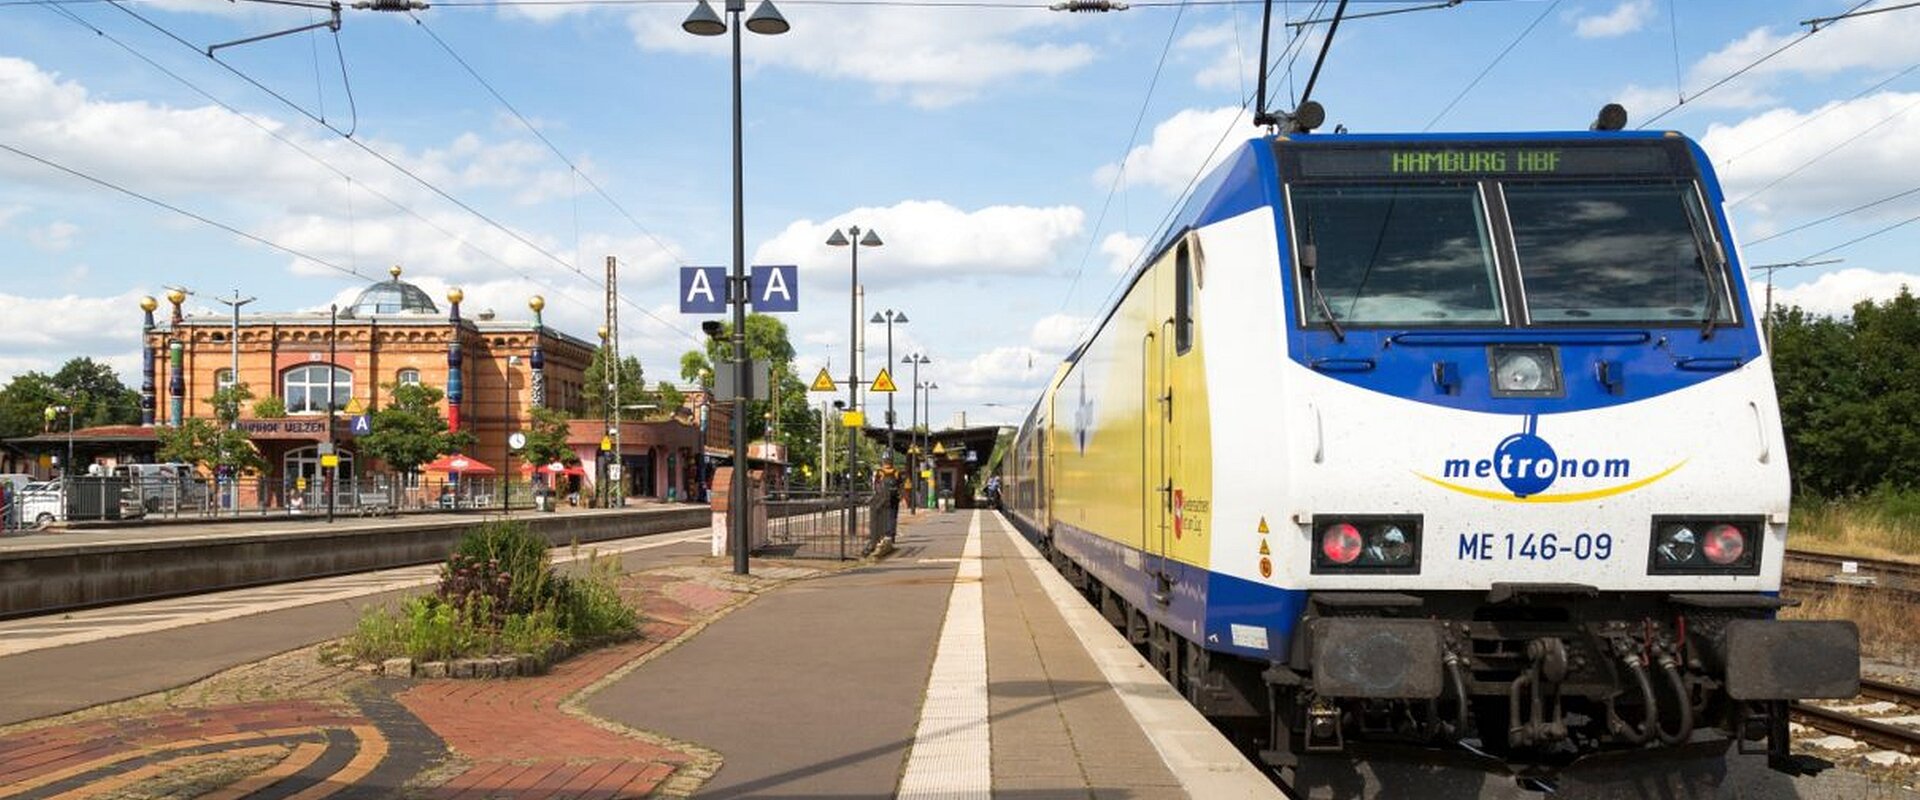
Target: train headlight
[
  {"x": 1366, "y": 544},
  {"x": 1528, "y": 371},
  {"x": 1705, "y": 545}
]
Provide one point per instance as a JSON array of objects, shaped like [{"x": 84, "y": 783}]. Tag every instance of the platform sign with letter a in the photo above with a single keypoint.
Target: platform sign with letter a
[
  {"x": 775, "y": 288},
  {"x": 362, "y": 424},
  {"x": 703, "y": 290}
]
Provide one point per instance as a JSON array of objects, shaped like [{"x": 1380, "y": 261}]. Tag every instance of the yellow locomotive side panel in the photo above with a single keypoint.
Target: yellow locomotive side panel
[{"x": 1189, "y": 432}]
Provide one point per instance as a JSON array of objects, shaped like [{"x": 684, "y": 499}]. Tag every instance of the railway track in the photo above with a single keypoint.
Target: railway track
[
  {"x": 1898, "y": 580},
  {"x": 1886, "y": 736}
]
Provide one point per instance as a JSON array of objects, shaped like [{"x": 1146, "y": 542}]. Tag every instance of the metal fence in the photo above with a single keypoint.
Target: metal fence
[
  {"x": 95, "y": 498},
  {"x": 835, "y": 525}
]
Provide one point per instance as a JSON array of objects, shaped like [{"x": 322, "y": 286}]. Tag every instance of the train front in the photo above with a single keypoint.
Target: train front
[{"x": 1535, "y": 456}]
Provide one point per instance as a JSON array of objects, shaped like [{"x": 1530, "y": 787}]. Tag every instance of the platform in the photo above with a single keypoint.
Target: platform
[{"x": 960, "y": 666}]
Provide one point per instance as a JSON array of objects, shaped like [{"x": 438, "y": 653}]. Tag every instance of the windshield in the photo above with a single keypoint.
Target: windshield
[
  {"x": 1399, "y": 255},
  {"x": 1614, "y": 252}
]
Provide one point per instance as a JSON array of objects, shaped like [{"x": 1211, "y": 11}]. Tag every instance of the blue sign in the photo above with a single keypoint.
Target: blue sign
[
  {"x": 703, "y": 290},
  {"x": 775, "y": 288},
  {"x": 362, "y": 424}
]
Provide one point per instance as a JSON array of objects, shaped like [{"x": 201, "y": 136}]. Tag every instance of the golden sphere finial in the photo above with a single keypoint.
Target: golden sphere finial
[
  {"x": 148, "y": 304},
  {"x": 603, "y": 333},
  {"x": 537, "y": 303},
  {"x": 176, "y": 297},
  {"x": 454, "y": 295},
  {"x": 394, "y": 271}
]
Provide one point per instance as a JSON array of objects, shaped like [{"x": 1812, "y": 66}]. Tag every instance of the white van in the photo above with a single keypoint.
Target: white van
[{"x": 165, "y": 487}]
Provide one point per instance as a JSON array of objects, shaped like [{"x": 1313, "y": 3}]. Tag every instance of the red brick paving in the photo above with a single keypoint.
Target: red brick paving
[{"x": 512, "y": 733}]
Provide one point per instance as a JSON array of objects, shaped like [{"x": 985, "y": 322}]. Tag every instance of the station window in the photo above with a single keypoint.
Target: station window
[
  {"x": 408, "y": 377},
  {"x": 222, "y": 378},
  {"x": 305, "y": 388}
]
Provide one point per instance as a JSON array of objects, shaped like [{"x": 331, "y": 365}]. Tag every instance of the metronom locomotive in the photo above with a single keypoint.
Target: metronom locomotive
[{"x": 1456, "y": 443}]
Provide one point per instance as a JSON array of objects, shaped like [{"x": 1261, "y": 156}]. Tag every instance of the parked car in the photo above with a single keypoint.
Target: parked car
[{"x": 165, "y": 487}]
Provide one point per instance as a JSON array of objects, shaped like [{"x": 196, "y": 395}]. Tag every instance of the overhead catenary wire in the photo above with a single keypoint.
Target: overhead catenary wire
[
  {"x": 1834, "y": 216},
  {"x": 1120, "y": 172},
  {"x": 1857, "y": 136},
  {"x": 1490, "y": 65},
  {"x": 402, "y": 169},
  {"x": 1810, "y": 118},
  {"x": 1741, "y": 71},
  {"x": 535, "y": 130},
  {"x": 284, "y": 139}
]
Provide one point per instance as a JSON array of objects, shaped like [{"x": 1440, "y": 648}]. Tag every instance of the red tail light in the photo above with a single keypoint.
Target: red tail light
[
  {"x": 1340, "y": 543},
  {"x": 1724, "y": 544}
]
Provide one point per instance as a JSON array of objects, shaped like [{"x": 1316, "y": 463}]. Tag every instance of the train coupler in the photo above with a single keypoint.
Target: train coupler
[
  {"x": 1325, "y": 734},
  {"x": 1765, "y": 724}
]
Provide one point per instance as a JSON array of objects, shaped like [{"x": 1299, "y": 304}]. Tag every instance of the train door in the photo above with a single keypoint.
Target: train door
[{"x": 1169, "y": 338}]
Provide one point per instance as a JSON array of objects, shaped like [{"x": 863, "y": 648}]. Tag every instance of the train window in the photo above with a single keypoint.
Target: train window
[
  {"x": 1399, "y": 255},
  {"x": 1612, "y": 252},
  {"x": 1182, "y": 300}
]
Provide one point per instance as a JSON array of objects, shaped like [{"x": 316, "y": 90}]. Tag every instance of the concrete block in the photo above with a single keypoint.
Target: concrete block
[
  {"x": 397, "y": 667},
  {"x": 433, "y": 669},
  {"x": 461, "y": 668},
  {"x": 486, "y": 668}
]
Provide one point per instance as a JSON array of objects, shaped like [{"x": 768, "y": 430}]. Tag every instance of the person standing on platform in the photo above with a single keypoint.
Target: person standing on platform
[{"x": 888, "y": 480}]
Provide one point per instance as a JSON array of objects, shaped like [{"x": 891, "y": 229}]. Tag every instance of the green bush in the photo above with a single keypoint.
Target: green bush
[
  {"x": 499, "y": 594},
  {"x": 500, "y": 547}
]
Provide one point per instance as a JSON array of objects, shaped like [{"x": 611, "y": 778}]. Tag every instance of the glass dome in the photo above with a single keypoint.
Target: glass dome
[{"x": 393, "y": 297}]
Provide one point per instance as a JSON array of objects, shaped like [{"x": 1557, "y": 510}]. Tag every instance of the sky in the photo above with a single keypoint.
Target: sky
[{"x": 1013, "y": 159}]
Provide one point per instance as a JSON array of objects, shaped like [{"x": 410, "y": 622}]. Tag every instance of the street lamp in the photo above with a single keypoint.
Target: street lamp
[
  {"x": 765, "y": 20},
  {"x": 889, "y": 317},
  {"x": 233, "y": 404},
  {"x": 853, "y": 241},
  {"x": 1771, "y": 268},
  {"x": 913, "y": 432},
  {"x": 66, "y": 467},
  {"x": 927, "y": 392}
]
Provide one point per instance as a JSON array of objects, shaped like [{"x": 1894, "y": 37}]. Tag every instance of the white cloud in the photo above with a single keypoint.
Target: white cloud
[
  {"x": 226, "y": 167},
  {"x": 1121, "y": 251},
  {"x": 53, "y": 237},
  {"x": 929, "y": 239},
  {"x": 1058, "y": 333},
  {"x": 934, "y": 57},
  {"x": 69, "y": 326},
  {"x": 1187, "y": 143},
  {"x": 1627, "y": 17},
  {"x": 1752, "y": 153},
  {"x": 1227, "y": 64},
  {"x": 1835, "y": 293}
]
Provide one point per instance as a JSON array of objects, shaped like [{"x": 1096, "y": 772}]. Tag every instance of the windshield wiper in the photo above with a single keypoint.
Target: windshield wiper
[
  {"x": 1309, "y": 266},
  {"x": 1711, "y": 264}
]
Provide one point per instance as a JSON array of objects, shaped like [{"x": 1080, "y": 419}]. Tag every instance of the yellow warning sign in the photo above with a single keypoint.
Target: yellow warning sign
[
  {"x": 353, "y": 407},
  {"x": 852, "y": 419},
  {"x": 884, "y": 382},
  {"x": 822, "y": 382},
  {"x": 1263, "y": 529},
  {"x": 1263, "y": 548}
]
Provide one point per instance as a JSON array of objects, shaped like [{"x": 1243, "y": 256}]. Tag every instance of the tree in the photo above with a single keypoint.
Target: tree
[
  {"x": 90, "y": 388},
  {"x": 633, "y": 385},
  {"x": 409, "y": 431},
  {"x": 211, "y": 443},
  {"x": 1850, "y": 396},
  {"x": 547, "y": 439},
  {"x": 23, "y": 403},
  {"x": 767, "y": 340},
  {"x": 669, "y": 398}
]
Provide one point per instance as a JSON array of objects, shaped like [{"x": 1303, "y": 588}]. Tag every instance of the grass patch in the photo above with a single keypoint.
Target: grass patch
[
  {"x": 499, "y": 594},
  {"x": 1884, "y": 524},
  {"x": 1887, "y": 631}
]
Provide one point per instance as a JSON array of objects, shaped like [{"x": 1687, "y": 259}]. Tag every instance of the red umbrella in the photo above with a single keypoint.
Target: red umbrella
[
  {"x": 458, "y": 463},
  {"x": 555, "y": 468}
]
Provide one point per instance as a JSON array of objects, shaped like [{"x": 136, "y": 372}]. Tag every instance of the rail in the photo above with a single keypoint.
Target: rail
[{"x": 1868, "y": 729}]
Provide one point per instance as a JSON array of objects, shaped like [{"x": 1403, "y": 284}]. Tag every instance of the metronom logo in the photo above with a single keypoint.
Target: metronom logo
[{"x": 1527, "y": 465}]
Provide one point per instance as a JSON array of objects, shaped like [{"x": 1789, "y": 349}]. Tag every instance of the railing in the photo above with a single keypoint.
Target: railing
[
  {"x": 834, "y": 525},
  {"x": 108, "y": 498}
]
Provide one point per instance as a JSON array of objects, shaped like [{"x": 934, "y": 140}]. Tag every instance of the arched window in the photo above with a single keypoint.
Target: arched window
[
  {"x": 305, "y": 388},
  {"x": 222, "y": 378},
  {"x": 408, "y": 377}
]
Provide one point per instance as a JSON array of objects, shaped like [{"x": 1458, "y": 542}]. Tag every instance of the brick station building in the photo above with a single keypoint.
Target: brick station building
[{"x": 493, "y": 371}]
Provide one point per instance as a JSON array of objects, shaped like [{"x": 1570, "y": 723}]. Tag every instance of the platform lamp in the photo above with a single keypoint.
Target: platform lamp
[
  {"x": 913, "y": 432},
  {"x": 766, "y": 20},
  {"x": 853, "y": 241},
  {"x": 889, "y": 317}
]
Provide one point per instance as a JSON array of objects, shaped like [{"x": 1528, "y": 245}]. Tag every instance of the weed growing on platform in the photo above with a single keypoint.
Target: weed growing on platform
[{"x": 499, "y": 593}]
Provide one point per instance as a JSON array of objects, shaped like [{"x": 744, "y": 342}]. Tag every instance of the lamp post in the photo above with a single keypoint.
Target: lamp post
[
  {"x": 853, "y": 241},
  {"x": 703, "y": 21},
  {"x": 1772, "y": 268},
  {"x": 913, "y": 432},
  {"x": 66, "y": 467},
  {"x": 927, "y": 392},
  {"x": 233, "y": 339},
  {"x": 889, "y": 317},
  {"x": 333, "y": 364}
]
